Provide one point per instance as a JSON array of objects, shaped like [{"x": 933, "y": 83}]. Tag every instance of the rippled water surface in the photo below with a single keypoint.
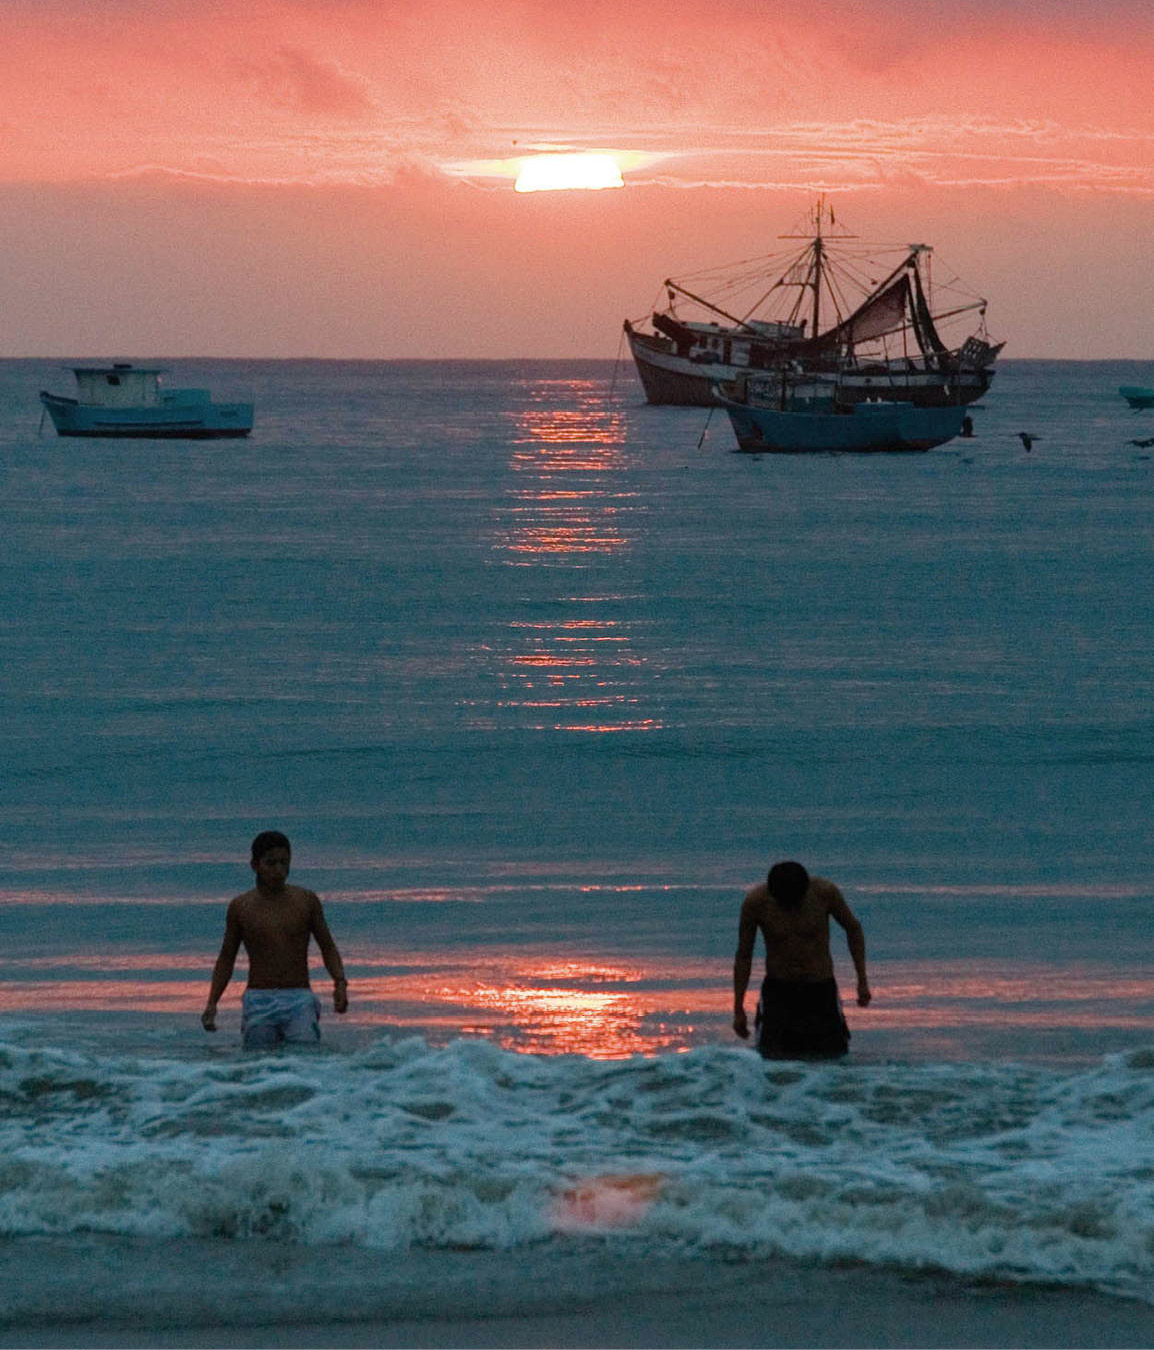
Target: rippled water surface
[{"x": 539, "y": 680}]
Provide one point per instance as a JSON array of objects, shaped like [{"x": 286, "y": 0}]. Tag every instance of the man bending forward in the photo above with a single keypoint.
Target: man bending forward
[
  {"x": 275, "y": 921},
  {"x": 799, "y": 1014}
]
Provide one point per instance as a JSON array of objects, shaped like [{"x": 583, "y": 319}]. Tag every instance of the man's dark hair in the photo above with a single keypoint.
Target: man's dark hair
[
  {"x": 268, "y": 840},
  {"x": 788, "y": 883}
]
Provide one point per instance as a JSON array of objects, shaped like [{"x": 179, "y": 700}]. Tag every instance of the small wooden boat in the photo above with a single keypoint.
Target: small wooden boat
[
  {"x": 1136, "y": 396},
  {"x": 804, "y": 415},
  {"x": 127, "y": 400}
]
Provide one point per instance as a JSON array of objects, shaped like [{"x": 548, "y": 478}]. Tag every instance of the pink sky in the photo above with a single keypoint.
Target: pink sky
[{"x": 334, "y": 177}]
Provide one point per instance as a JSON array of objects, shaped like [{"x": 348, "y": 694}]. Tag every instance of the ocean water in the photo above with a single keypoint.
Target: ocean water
[{"x": 539, "y": 680}]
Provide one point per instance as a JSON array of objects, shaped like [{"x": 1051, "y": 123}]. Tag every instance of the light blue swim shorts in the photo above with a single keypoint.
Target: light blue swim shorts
[{"x": 274, "y": 1016}]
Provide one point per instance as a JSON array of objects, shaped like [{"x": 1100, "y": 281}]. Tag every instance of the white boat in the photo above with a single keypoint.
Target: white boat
[
  {"x": 127, "y": 400},
  {"x": 882, "y": 324},
  {"x": 794, "y": 413}
]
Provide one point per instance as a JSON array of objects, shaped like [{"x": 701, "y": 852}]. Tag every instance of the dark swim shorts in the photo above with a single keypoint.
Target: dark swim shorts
[{"x": 800, "y": 1020}]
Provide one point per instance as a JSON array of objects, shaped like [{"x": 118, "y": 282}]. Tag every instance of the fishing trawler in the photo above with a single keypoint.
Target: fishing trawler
[
  {"x": 126, "y": 400},
  {"x": 875, "y": 318}
]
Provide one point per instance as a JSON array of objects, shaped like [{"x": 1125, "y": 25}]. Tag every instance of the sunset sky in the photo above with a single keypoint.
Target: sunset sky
[{"x": 335, "y": 178}]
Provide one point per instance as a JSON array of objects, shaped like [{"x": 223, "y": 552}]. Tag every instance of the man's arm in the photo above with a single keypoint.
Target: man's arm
[
  {"x": 222, "y": 971},
  {"x": 743, "y": 963},
  {"x": 855, "y": 939},
  {"x": 331, "y": 957}
]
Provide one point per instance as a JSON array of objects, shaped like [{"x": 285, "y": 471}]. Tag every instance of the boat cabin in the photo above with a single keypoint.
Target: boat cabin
[
  {"x": 712, "y": 342},
  {"x": 789, "y": 391},
  {"x": 122, "y": 385}
]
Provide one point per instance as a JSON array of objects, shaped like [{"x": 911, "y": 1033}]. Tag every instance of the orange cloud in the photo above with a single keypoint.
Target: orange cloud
[
  {"x": 387, "y": 133},
  {"x": 303, "y": 83},
  {"x": 346, "y": 91}
]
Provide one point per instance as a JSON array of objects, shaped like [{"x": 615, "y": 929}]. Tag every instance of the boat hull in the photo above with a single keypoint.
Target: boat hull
[
  {"x": 864, "y": 428},
  {"x": 672, "y": 380},
  {"x": 682, "y": 381},
  {"x": 168, "y": 421},
  {"x": 1136, "y": 396}
]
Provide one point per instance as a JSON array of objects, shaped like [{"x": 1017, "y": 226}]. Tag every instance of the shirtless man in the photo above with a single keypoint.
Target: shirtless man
[
  {"x": 275, "y": 921},
  {"x": 799, "y": 1014}
]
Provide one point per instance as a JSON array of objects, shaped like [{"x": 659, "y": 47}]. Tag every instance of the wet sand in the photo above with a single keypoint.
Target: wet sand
[{"x": 256, "y": 1294}]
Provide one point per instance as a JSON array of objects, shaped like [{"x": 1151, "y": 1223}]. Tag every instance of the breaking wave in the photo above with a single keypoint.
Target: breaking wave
[{"x": 999, "y": 1170}]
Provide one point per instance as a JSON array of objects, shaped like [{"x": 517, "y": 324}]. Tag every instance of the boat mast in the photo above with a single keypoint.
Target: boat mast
[
  {"x": 816, "y": 274},
  {"x": 818, "y": 260}
]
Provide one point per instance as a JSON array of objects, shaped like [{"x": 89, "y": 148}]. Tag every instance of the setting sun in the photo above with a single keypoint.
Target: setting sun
[{"x": 549, "y": 173}]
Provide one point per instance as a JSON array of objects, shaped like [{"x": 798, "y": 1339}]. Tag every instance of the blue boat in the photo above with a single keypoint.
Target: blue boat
[
  {"x": 126, "y": 400},
  {"x": 787, "y": 415},
  {"x": 1136, "y": 396}
]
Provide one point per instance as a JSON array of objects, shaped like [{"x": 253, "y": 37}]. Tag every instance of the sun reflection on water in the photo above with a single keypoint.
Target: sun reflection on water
[
  {"x": 595, "y": 1005},
  {"x": 570, "y": 495},
  {"x": 522, "y": 1001},
  {"x": 571, "y": 507},
  {"x": 591, "y": 1008}
]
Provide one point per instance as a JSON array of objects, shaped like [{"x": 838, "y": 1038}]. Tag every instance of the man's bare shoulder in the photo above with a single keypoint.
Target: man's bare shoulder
[
  {"x": 755, "y": 898},
  {"x": 299, "y": 894},
  {"x": 825, "y": 890}
]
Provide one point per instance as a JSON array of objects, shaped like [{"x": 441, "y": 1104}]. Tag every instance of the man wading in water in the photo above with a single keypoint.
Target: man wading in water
[
  {"x": 799, "y": 1014},
  {"x": 275, "y": 921}
]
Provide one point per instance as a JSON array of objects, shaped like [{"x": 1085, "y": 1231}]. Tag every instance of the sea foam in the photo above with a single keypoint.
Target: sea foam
[{"x": 994, "y": 1170}]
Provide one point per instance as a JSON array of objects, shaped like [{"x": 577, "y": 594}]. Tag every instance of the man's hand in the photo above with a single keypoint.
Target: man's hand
[
  {"x": 340, "y": 996},
  {"x": 741, "y": 1024},
  {"x": 864, "y": 996},
  {"x": 208, "y": 1018}
]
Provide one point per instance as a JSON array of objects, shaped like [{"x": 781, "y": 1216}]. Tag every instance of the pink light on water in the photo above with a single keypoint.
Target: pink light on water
[{"x": 605, "y": 1202}]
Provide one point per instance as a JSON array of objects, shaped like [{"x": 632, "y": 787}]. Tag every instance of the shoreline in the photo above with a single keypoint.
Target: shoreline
[{"x": 135, "y": 1293}]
